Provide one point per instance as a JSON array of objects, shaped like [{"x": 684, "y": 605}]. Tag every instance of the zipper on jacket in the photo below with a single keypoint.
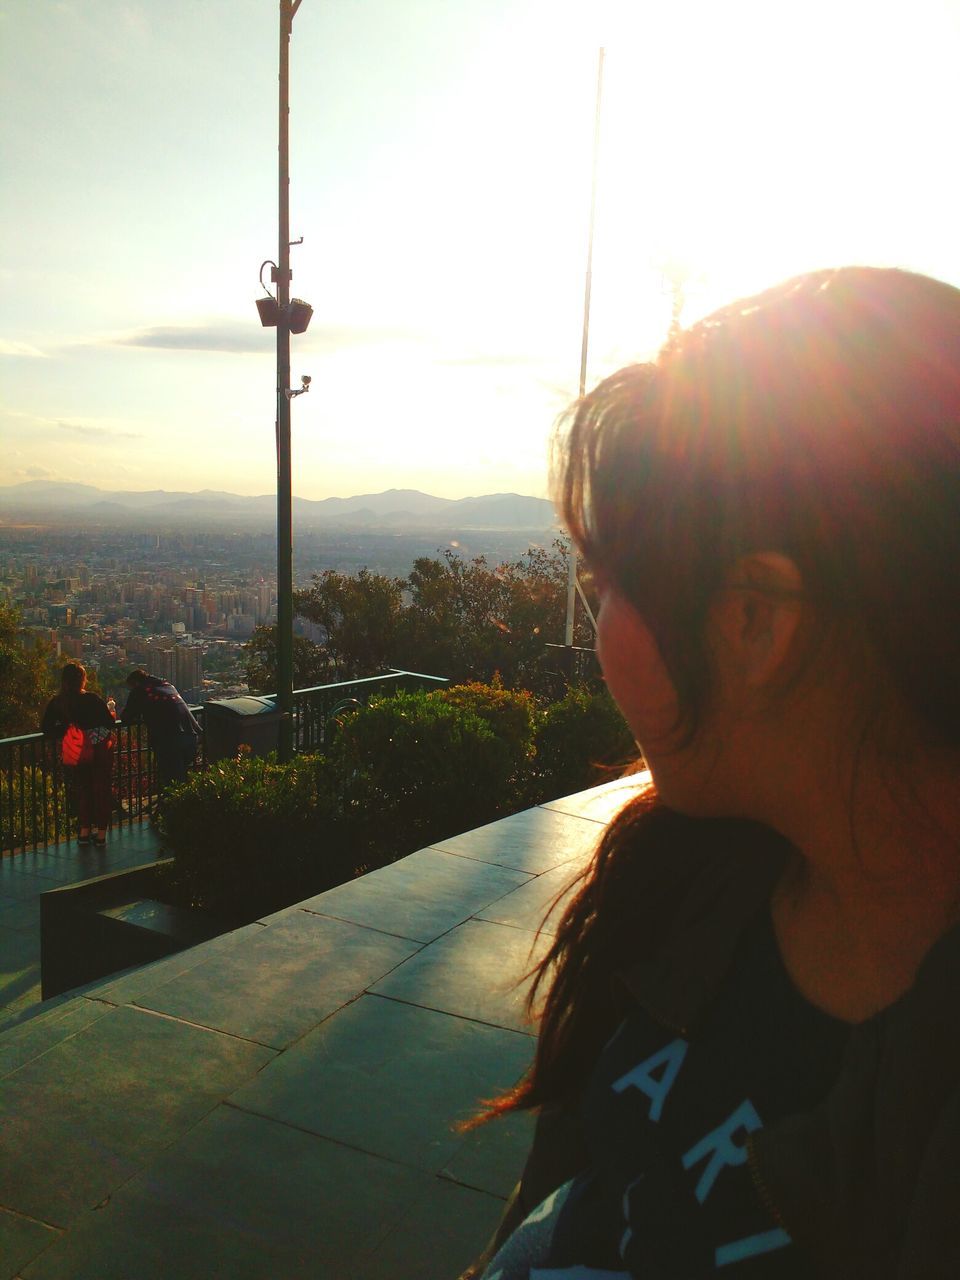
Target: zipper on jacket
[{"x": 761, "y": 1188}]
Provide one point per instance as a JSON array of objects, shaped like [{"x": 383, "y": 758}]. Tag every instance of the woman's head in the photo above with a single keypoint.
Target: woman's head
[
  {"x": 73, "y": 678},
  {"x": 818, "y": 422}
]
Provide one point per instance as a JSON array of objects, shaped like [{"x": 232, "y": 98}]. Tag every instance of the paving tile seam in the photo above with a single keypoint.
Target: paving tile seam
[
  {"x": 471, "y": 857},
  {"x": 110, "y": 1004},
  {"x": 506, "y": 866},
  {"x": 198, "y": 1026},
  {"x": 404, "y": 937},
  {"x": 382, "y": 995},
  {"x": 520, "y": 928},
  {"x": 28, "y": 1217},
  {"x": 422, "y": 942},
  {"x": 325, "y": 1137},
  {"x": 553, "y": 806},
  {"x": 313, "y": 1026},
  {"x": 51, "y": 1048},
  {"x": 140, "y": 1168},
  {"x": 483, "y": 1022},
  {"x": 485, "y": 862},
  {"x": 472, "y": 1186},
  {"x": 550, "y": 807}
]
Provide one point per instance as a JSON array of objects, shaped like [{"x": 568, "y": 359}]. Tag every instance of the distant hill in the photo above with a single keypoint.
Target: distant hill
[{"x": 396, "y": 510}]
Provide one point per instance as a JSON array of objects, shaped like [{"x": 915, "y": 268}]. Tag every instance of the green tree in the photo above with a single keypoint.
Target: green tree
[
  {"x": 111, "y": 680},
  {"x": 361, "y": 616},
  {"x": 310, "y": 663},
  {"x": 469, "y": 621},
  {"x": 26, "y": 676}
]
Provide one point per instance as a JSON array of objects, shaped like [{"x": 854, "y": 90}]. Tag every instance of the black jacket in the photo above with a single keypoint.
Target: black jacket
[
  {"x": 86, "y": 710},
  {"x": 868, "y": 1183},
  {"x": 158, "y": 705}
]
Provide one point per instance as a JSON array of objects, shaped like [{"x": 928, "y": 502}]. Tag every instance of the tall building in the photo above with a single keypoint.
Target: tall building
[
  {"x": 241, "y": 625},
  {"x": 188, "y": 668},
  {"x": 161, "y": 662}
]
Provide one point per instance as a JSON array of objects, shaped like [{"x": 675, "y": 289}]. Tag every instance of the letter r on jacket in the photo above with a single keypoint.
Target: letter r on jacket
[{"x": 721, "y": 1148}]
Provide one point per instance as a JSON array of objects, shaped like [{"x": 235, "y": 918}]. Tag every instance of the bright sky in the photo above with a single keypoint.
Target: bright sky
[{"x": 440, "y": 177}]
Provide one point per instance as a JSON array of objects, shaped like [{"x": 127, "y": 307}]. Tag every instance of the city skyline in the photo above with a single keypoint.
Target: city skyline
[{"x": 440, "y": 170}]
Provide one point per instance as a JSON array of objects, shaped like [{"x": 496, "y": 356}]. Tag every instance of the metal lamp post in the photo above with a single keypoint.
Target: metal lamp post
[{"x": 289, "y": 316}]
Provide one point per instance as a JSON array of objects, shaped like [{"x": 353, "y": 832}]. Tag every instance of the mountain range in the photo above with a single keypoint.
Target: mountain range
[{"x": 394, "y": 510}]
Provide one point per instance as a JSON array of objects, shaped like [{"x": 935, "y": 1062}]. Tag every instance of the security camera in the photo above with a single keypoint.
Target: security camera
[{"x": 305, "y": 381}]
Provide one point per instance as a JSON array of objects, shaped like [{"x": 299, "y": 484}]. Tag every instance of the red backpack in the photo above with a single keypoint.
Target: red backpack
[{"x": 75, "y": 747}]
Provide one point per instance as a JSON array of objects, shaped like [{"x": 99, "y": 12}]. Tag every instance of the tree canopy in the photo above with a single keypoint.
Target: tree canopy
[
  {"x": 310, "y": 663},
  {"x": 26, "y": 677},
  {"x": 459, "y": 618}
]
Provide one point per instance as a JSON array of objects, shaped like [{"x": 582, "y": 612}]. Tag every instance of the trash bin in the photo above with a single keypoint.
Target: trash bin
[{"x": 235, "y": 722}]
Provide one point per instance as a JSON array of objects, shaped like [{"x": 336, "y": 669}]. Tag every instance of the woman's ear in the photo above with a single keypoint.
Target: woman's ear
[{"x": 755, "y": 618}]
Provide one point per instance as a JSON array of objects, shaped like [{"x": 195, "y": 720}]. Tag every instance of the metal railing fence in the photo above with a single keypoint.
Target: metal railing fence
[
  {"x": 35, "y": 808},
  {"x": 316, "y": 711}
]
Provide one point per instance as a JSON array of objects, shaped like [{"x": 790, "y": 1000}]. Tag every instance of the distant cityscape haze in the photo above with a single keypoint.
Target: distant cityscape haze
[{"x": 179, "y": 585}]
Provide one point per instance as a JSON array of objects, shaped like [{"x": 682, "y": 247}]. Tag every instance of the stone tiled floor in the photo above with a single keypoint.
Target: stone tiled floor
[
  {"x": 283, "y": 1100},
  {"x": 23, "y": 877}
]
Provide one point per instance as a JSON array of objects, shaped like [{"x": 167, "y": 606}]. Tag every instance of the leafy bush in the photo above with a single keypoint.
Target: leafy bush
[
  {"x": 250, "y": 836},
  {"x": 416, "y": 769},
  {"x": 509, "y": 713},
  {"x": 580, "y": 740}
]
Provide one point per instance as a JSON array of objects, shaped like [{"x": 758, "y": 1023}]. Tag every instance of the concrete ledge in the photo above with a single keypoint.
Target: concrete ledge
[{"x": 282, "y": 1100}]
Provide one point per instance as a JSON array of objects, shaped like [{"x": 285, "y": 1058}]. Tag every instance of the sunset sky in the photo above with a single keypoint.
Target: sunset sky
[{"x": 440, "y": 177}]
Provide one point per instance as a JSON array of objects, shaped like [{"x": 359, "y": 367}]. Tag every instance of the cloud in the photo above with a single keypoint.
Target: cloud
[
  {"x": 37, "y": 473},
  {"x": 27, "y": 426},
  {"x": 236, "y": 337},
  {"x": 8, "y": 348},
  {"x": 99, "y": 432},
  {"x": 232, "y": 337}
]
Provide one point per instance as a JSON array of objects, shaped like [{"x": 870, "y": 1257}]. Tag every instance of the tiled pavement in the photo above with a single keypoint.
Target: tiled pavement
[
  {"x": 282, "y": 1100},
  {"x": 24, "y": 876}
]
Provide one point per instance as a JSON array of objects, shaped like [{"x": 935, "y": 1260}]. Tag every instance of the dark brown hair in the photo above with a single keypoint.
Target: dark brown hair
[
  {"x": 820, "y": 419},
  {"x": 73, "y": 678}
]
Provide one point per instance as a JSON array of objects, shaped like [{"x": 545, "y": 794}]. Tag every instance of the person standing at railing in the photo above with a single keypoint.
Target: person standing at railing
[
  {"x": 81, "y": 725},
  {"x": 174, "y": 732}
]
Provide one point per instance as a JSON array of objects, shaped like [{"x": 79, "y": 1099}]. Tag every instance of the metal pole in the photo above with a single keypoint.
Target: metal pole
[
  {"x": 593, "y": 208},
  {"x": 571, "y": 594},
  {"x": 588, "y": 283},
  {"x": 284, "y": 480}
]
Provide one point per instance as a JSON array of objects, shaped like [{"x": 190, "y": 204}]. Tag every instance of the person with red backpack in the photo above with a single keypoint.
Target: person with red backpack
[{"x": 82, "y": 726}]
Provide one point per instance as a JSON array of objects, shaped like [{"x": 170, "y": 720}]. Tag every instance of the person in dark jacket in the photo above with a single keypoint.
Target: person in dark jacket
[
  {"x": 87, "y": 721},
  {"x": 173, "y": 730},
  {"x": 748, "y": 1059}
]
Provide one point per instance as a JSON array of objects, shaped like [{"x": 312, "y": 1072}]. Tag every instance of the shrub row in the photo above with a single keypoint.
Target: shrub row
[{"x": 250, "y": 835}]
